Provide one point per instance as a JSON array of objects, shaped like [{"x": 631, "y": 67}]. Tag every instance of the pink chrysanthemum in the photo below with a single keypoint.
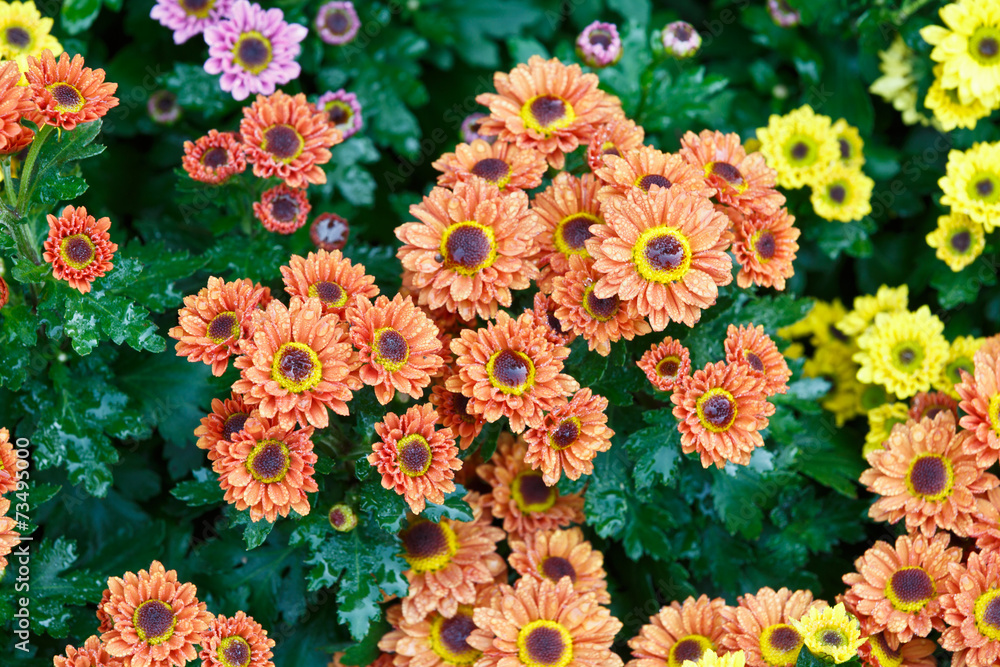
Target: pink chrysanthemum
[
  {"x": 188, "y": 18},
  {"x": 342, "y": 110}
]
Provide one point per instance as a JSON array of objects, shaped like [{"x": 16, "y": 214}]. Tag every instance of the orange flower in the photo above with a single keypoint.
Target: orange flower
[
  {"x": 882, "y": 650},
  {"x": 79, "y": 247},
  {"x": 448, "y": 562},
  {"x": 434, "y": 641},
  {"x": 157, "y": 619},
  {"x": 215, "y": 322},
  {"x": 214, "y": 157},
  {"x": 971, "y": 604},
  {"x": 520, "y": 496},
  {"x": 470, "y": 248},
  {"x": 761, "y": 626},
  {"x": 985, "y": 526},
  {"x": 267, "y": 468},
  {"x": 285, "y": 137},
  {"x": 929, "y": 404},
  {"x": 238, "y": 641},
  {"x": 453, "y": 412},
  {"x": 414, "y": 459},
  {"x": 567, "y": 209},
  {"x": 540, "y": 622},
  {"x": 666, "y": 364},
  {"x": 67, "y": 93},
  {"x": 105, "y": 622},
  {"x": 15, "y": 102},
  {"x": 226, "y": 420},
  {"x": 722, "y": 410},
  {"x": 555, "y": 554},
  {"x": 543, "y": 314},
  {"x": 897, "y": 590},
  {"x": 547, "y": 106},
  {"x": 9, "y": 538},
  {"x": 737, "y": 179},
  {"x": 647, "y": 169},
  {"x": 330, "y": 277},
  {"x": 679, "y": 633},
  {"x": 616, "y": 137},
  {"x": 765, "y": 247},
  {"x": 282, "y": 209},
  {"x": 665, "y": 250},
  {"x": 397, "y": 344},
  {"x": 8, "y": 464},
  {"x": 600, "y": 321},
  {"x": 926, "y": 473},
  {"x": 92, "y": 654},
  {"x": 509, "y": 369},
  {"x": 297, "y": 364},
  {"x": 570, "y": 438},
  {"x": 980, "y": 401},
  {"x": 501, "y": 163},
  {"x": 750, "y": 345}
]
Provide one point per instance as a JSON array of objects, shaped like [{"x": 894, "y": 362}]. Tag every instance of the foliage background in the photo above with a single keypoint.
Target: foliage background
[{"x": 118, "y": 482}]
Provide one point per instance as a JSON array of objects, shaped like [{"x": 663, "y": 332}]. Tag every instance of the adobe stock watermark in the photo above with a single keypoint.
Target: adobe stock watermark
[{"x": 20, "y": 557}]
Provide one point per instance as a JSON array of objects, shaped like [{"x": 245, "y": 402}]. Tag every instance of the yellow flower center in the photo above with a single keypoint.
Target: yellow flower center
[
  {"x": 511, "y": 372},
  {"x": 339, "y": 113},
  {"x": 780, "y": 644},
  {"x": 565, "y": 434},
  {"x": 984, "y": 45},
  {"x": 154, "y": 622},
  {"x": 690, "y": 647},
  {"x": 468, "y": 247},
  {"x": 953, "y": 368},
  {"x": 269, "y": 461},
  {"x": 987, "y": 614},
  {"x": 838, "y": 192},
  {"x": 662, "y": 255},
  {"x": 960, "y": 242},
  {"x": 283, "y": 142},
  {"x": 601, "y": 310},
  {"x": 253, "y": 52},
  {"x": 930, "y": 477},
  {"x": 296, "y": 367},
  {"x": 907, "y": 356},
  {"x": 531, "y": 494},
  {"x": 449, "y": 637},
  {"x": 77, "y": 251},
  {"x": 829, "y": 637},
  {"x": 429, "y": 547},
  {"x": 984, "y": 187},
  {"x": 547, "y": 114},
  {"x": 727, "y": 173},
  {"x": 390, "y": 349},
  {"x": 413, "y": 454},
  {"x": 571, "y": 234},
  {"x": 909, "y": 589},
  {"x": 716, "y": 410},
  {"x": 993, "y": 413},
  {"x": 801, "y": 150},
  {"x": 885, "y": 655},
  {"x": 669, "y": 367},
  {"x": 215, "y": 157},
  {"x": 67, "y": 98},
  {"x": 197, "y": 8},
  {"x": 330, "y": 293},
  {"x": 493, "y": 170},
  {"x": 544, "y": 644},
  {"x": 764, "y": 245},
  {"x": 234, "y": 652},
  {"x": 223, "y": 327}
]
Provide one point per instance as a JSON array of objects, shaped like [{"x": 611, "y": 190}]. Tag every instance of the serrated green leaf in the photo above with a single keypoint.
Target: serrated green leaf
[
  {"x": 96, "y": 316},
  {"x": 454, "y": 507},
  {"x": 58, "y": 587},
  {"x": 18, "y": 335},
  {"x": 202, "y": 490},
  {"x": 78, "y": 15},
  {"x": 254, "y": 532},
  {"x": 387, "y": 507}
]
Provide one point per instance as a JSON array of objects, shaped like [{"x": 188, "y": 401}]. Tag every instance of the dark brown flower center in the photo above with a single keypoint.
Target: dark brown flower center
[
  {"x": 991, "y": 617},
  {"x": 269, "y": 461},
  {"x": 649, "y": 180},
  {"x": 492, "y": 169},
  {"x": 929, "y": 476},
  {"x": 215, "y": 157},
  {"x": 337, "y": 22},
  {"x": 718, "y": 410},
  {"x": 337, "y": 517},
  {"x": 611, "y": 151},
  {"x": 455, "y": 631},
  {"x": 236, "y": 652},
  {"x": 195, "y": 6},
  {"x": 961, "y": 241},
  {"x": 328, "y": 292},
  {"x": 668, "y": 367},
  {"x": 728, "y": 173},
  {"x": 766, "y": 244},
  {"x": 166, "y": 101},
  {"x": 665, "y": 253},
  {"x": 295, "y": 364},
  {"x": 414, "y": 455},
  {"x": 785, "y": 638},
  {"x": 907, "y": 355},
  {"x": 884, "y": 647},
  {"x": 833, "y": 638},
  {"x": 460, "y": 405},
  {"x": 154, "y": 618},
  {"x": 282, "y": 141},
  {"x": 912, "y": 585},
  {"x": 392, "y": 347},
  {"x": 576, "y": 230},
  {"x": 78, "y": 250},
  {"x": 545, "y": 645},
  {"x": 253, "y": 52},
  {"x": 425, "y": 540},
  {"x": 755, "y": 361},
  {"x": 688, "y": 649},
  {"x": 233, "y": 425},
  {"x": 223, "y": 327},
  {"x": 838, "y": 193},
  {"x": 18, "y": 37},
  {"x": 800, "y": 150},
  {"x": 984, "y": 187},
  {"x": 557, "y": 567},
  {"x": 600, "y": 38},
  {"x": 511, "y": 369},
  {"x": 682, "y": 32},
  {"x": 548, "y": 109},
  {"x": 467, "y": 247},
  {"x": 845, "y": 148},
  {"x": 533, "y": 490},
  {"x": 601, "y": 309},
  {"x": 338, "y": 114},
  {"x": 565, "y": 434},
  {"x": 284, "y": 208},
  {"x": 988, "y": 47},
  {"x": 329, "y": 231},
  {"x": 554, "y": 324}
]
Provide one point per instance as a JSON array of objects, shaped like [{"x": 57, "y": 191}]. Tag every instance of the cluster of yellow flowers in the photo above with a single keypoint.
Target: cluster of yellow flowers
[
  {"x": 807, "y": 148},
  {"x": 24, "y": 32},
  {"x": 898, "y": 83}
]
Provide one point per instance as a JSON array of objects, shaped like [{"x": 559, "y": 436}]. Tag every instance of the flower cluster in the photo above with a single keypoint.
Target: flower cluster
[
  {"x": 9, "y": 482},
  {"x": 971, "y": 188},
  {"x": 25, "y": 32}
]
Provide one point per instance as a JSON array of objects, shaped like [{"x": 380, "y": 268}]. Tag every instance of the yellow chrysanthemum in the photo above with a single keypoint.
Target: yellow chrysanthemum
[
  {"x": 819, "y": 324},
  {"x": 971, "y": 183},
  {"x": 969, "y": 50},
  {"x": 960, "y": 358},
  {"x": 800, "y": 146},
  {"x": 958, "y": 239},
  {"x": 712, "y": 659},
  {"x": 25, "y": 32},
  {"x": 851, "y": 145},
  {"x": 880, "y": 423},
  {"x": 832, "y": 362},
  {"x": 842, "y": 193},
  {"x": 831, "y": 633},
  {"x": 949, "y": 110},
  {"x": 903, "y": 352},
  {"x": 886, "y": 300},
  {"x": 898, "y": 85}
]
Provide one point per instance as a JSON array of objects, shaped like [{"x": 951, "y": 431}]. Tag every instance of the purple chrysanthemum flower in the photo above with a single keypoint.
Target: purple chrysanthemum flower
[
  {"x": 254, "y": 50},
  {"x": 188, "y": 18},
  {"x": 343, "y": 111},
  {"x": 470, "y": 128},
  {"x": 163, "y": 108},
  {"x": 783, "y": 14},
  {"x": 337, "y": 22},
  {"x": 599, "y": 44},
  {"x": 680, "y": 39}
]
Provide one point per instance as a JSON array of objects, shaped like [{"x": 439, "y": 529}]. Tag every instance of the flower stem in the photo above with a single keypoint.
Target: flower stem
[
  {"x": 8, "y": 182},
  {"x": 28, "y": 171}
]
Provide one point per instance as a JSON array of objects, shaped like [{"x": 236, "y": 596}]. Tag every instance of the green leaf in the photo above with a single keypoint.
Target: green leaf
[
  {"x": 656, "y": 449},
  {"x": 18, "y": 334},
  {"x": 58, "y": 587},
  {"x": 162, "y": 268},
  {"x": 960, "y": 287},
  {"x": 454, "y": 507},
  {"x": 254, "y": 532},
  {"x": 62, "y": 147},
  {"x": 78, "y": 15},
  {"x": 58, "y": 187},
  {"x": 387, "y": 507},
  {"x": 202, "y": 490},
  {"x": 808, "y": 659},
  {"x": 197, "y": 89}
]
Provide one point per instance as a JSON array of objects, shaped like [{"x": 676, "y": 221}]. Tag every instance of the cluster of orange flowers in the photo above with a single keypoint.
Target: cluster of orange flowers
[{"x": 9, "y": 536}]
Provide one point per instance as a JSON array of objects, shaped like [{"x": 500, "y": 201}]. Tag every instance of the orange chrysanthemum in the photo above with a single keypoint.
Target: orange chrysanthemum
[
  {"x": 238, "y": 641},
  {"x": 397, "y": 345},
  {"x": 926, "y": 473},
  {"x": 434, "y": 641},
  {"x": 9, "y": 538},
  {"x": 92, "y": 654},
  {"x": 520, "y": 496},
  {"x": 226, "y": 420},
  {"x": 665, "y": 250},
  {"x": 616, "y": 137},
  {"x": 501, "y": 163},
  {"x": 448, "y": 561},
  {"x": 929, "y": 404},
  {"x": 570, "y": 438},
  {"x": 882, "y": 650},
  {"x": 765, "y": 247},
  {"x": 8, "y": 464},
  {"x": 666, "y": 364},
  {"x": 415, "y": 460},
  {"x": 600, "y": 321},
  {"x": 283, "y": 209},
  {"x": 471, "y": 247},
  {"x": 297, "y": 364},
  {"x": 453, "y": 412},
  {"x": 722, "y": 410},
  {"x": 267, "y": 468},
  {"x": 555, "y": 554},
  {"x": 213, "y": 323},
  {"x": 67, "y": 93},
  {"x": 679, "y": 633},
  {"x": 547, "y": 106},
  {"x": 761, "y": 626},
  {"x": 285, "y": 137},
  {"x": 737, "y": 179},
  {"x": 543, "y": 314},
  {"x": 971, "y": 604},
  {"x": 985, "y": 528},
  {"x": 567, "y": 209},
  {"x": 750, "y": 345},
  {"x": 647, "y": 169},
  {"x": 330, "y": 277},
  {"x": 980, "y": 401},
  {"x": 157, "y": 619},
  {"x": 79, "y": 247},
  {"x": 15, "y": 102},
  {"x": 540, "y": 622},
  {"x": 896, "y": 590},
  {"x": 509, "y": 369},
  {"x": 214, "y": 157},
  {"x": 104, "y": 620}
]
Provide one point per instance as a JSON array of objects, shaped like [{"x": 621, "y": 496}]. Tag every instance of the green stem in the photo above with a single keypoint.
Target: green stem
[
  {"x": 28, "y": 171},
  {"x": 8, "y": 183},
  {"x": 910, "y": 8},
  {"x": 20, "y": 232}
]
